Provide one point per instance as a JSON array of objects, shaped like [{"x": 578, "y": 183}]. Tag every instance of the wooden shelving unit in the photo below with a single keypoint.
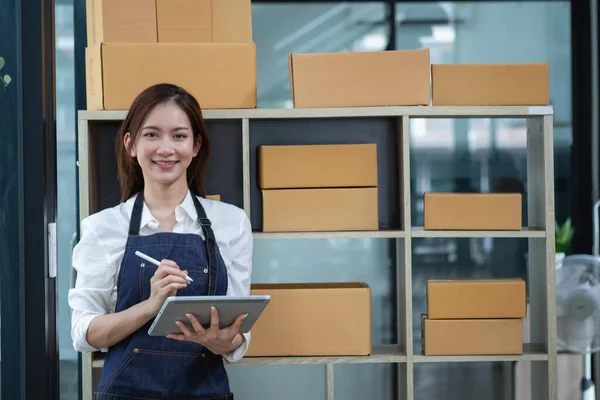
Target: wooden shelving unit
[{"x": 239, "y": 132}]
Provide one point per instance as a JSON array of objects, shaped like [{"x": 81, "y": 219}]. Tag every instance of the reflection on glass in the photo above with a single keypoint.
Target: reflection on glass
[{"x": 67, "y": 191}]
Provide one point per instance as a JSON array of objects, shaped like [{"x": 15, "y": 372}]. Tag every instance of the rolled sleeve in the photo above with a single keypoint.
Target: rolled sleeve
[
  {"x": 239, "y": 275},
  {"x": 94, "y": 287}
]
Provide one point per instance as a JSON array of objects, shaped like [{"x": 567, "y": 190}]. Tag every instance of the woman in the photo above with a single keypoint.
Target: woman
[{"x": 162, "y": 152}]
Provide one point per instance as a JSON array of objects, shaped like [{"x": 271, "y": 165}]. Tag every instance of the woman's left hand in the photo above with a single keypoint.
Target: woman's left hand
[{"x": 218, "y": 341}]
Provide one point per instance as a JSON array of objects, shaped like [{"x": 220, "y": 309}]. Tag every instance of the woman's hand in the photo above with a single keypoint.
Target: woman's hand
[
  {"x": 218, "y": 341},
  {"x": 167, "y": 279}
]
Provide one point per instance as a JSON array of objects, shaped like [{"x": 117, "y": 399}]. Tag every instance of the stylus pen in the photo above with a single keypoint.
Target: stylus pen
[{"x": 155, "y": 262}]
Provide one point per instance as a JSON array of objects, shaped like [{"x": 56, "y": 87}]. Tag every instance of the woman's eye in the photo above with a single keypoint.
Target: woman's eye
[
  {"x": 150, "y": 134},
  {"x": 180, "y": 136}
]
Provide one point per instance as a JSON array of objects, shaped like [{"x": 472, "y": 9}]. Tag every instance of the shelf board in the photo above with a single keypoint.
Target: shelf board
[
  {"x": 380, "y": 354},
  {"x": 330, "y": 235},
  {"x": 349, "y": 112},
  {"x": 524, "y": 233},
  {"x": 530, "y": 353}
]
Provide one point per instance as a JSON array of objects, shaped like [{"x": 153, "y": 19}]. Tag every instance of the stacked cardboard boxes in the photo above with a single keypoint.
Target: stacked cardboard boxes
[
  {"x": 204, "y": 46},
  {"x": 474, "y": 317},
  {"x": 319, "y": 187},
  {"x": 406, "y": 78}
]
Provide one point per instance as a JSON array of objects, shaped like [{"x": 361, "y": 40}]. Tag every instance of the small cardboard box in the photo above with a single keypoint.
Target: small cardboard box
[
  {"x": 204, "y": 21},
  {"x": 473, "y": 211},
  {"x": 476, "y": 298},
  {"x": 490, "y": 84},
  {"x": 116, "y": 73},
  {"x": 314, "y": 210},
  {"x": 313, "y": 319},
  {"x": 457, "y": 337},
  {"x": 119, "y": 21},
  {"x": 317, "y": 166},
  {"x": 348, "y": 79},
  {"x": 216, "y": 197}
]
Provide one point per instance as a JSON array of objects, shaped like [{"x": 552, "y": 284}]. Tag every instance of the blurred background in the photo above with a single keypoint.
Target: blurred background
[{"x": 461, "y": 155}]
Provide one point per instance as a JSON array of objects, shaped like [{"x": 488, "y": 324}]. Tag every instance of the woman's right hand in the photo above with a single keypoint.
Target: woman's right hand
[{"x": 167, "y": 279}]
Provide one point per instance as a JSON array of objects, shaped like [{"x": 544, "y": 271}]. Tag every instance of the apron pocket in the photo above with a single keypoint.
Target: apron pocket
[{"x": 164, "y": 374}]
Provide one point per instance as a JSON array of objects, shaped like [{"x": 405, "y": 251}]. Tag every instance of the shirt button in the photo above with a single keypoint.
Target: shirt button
[{"x": 206, "y": 270}]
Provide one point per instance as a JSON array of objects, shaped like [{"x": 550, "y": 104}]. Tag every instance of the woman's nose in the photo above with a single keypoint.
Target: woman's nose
[{"x": 165, "y": 147}]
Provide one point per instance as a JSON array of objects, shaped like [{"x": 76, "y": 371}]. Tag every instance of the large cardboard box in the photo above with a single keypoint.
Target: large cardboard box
[
  {"x": 317, "y": 166},
  {"x": 314, "y": 210},
  {"x": 476, "y": 298},
  {"x": 114, "y": 21},
  {"x": 490, "y": 84},
  {"x": 204, "y": 21},
  {"x": 453, "y": 337},
  {"x": 347, "y": 79},
  {"x": 473, "y": 211},
  {"x": 313, "y": 319},
  {"x": 117, "y": 73}
]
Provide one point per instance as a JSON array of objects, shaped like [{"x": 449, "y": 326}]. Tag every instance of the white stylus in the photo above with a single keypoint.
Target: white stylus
[{"x": 155, "y": 262}]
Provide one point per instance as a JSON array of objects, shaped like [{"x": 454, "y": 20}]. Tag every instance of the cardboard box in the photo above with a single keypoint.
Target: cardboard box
[
  {"x": 347, "y": 79},
  {"x": 216, "y": 197},
  {"x": 313, "y": 319},
  {"x": 317, "y": 166},
  {"x": 473, "y": 211},
  {"x": 490, "y": 84},
  {"x": 119, "y": 21},
  {"x": 454, "y": 337},
  {"x": 204, "y": 21},
  {"x": 476, "y": 298},
  {"x": 314, "y": 210},
  {"x": 117, "y": 73}
]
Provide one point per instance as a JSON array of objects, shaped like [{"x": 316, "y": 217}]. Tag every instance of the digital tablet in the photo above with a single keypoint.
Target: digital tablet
[{"x": 228, "y": 307}]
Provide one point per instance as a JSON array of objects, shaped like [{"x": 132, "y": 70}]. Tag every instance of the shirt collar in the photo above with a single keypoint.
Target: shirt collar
[{"x": 183, "y": 210}]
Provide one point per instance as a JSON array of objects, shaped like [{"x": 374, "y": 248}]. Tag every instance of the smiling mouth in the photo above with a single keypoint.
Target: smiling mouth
[{"x": 165, "y": 164}]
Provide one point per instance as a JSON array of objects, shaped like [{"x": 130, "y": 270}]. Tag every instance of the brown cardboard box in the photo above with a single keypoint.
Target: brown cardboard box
[
  {"x": 452, "y": 337},
  {"x": 347, "y": 79},
  {"x": 114, "y": 21},
  {"x": 117, "y": 73},
  {"x": 216, "y": 197},
  {"x": 313, "y": 319},
  {"x": 313, "y": 210},
  {"x": 473, "y": 211},
  {"x": 490, "y": 84},
  {"x": 476, "y": 298},
  {"x": 317, "y": 166},
  {"x": 204, "y": 21}
]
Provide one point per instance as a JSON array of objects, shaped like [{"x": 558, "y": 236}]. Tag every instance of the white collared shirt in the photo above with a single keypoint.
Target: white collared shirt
[{"x": 97, "y": 258}]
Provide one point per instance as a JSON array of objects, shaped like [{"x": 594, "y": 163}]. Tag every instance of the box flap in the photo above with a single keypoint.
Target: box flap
[{"x": 232, "y": 21}]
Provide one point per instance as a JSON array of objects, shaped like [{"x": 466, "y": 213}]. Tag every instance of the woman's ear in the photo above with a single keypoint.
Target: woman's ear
[
  {"x": 129, "y": 145},
  {"x": 197, "y": 145}
]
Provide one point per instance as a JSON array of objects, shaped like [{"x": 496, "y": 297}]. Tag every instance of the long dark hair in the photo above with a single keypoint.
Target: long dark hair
[{"x": 130, "y": 173}]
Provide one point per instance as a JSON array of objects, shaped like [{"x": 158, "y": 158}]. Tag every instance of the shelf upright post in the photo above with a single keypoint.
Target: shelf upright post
[{"x": 541, "y": 263}]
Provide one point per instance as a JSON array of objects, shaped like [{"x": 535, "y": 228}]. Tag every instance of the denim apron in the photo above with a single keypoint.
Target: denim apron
[{"x": 152, "y": 367}]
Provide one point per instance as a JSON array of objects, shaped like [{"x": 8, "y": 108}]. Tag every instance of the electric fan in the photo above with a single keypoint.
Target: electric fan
[{"x": 578, "y": 312}]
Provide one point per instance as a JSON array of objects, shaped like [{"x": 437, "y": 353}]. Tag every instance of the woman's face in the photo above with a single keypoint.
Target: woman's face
[{"x": 165, "y": 145}]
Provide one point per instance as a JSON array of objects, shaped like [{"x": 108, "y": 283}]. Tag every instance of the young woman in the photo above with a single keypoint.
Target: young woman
[{"x": 162, "y": 152}]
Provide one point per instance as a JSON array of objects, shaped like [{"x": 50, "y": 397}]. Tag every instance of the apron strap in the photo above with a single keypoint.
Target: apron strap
[
  {"x": 136, "y": 215},
  {"x": 211, "y": 248},
  {"x": 211, "y": 243}
]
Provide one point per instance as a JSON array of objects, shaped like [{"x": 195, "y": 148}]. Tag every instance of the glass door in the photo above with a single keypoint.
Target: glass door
[{"x": 28, "y": 343}]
